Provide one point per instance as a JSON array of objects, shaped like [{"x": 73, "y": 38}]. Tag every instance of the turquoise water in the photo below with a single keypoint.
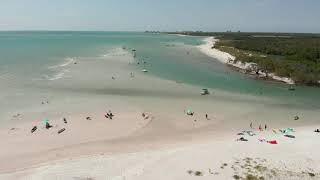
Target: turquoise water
[{"x": 27, "y": 55}]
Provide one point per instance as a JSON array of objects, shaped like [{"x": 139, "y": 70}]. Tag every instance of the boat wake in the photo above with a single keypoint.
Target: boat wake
[
  {"x": 59, "y": 71},
  {"x": 67, "y": 62},
  {"x": 115, "y": 52}
]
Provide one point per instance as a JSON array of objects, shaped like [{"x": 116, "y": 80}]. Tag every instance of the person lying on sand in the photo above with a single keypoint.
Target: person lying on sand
[
  {"x": 242, "y": 139},
  {"x": 61, "y": 130},
  {"x": 34, "y": 129},
  {"x": 88, "y": 118}
]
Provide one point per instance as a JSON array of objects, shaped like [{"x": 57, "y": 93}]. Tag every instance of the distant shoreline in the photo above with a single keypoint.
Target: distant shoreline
[{"x": 245, "y": 67}]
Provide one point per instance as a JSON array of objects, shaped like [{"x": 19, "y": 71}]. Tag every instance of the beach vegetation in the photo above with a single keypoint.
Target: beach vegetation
[
  {"x": 311, "y": 174},
  {"x": 293, "y": 55},
  {"x": 236, "y": 177},
  {"x": 198, "y": 173}
]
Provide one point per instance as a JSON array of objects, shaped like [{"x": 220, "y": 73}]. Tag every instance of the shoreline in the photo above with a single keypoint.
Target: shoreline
[
  {"x": 135, "y": 148},
  {"x": 226, "y": 58}
]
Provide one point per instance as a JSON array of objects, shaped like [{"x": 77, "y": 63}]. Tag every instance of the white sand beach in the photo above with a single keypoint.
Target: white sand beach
[{"x": 166, "y": 143}]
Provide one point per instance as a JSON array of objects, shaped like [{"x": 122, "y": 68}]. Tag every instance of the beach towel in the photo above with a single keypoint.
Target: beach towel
[
  {"x": 273, "y": 142},
  {"x": 289, "y": 136}
]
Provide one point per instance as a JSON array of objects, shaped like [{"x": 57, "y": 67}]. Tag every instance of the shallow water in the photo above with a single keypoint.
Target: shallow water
[{"x": 29, "y": 61}]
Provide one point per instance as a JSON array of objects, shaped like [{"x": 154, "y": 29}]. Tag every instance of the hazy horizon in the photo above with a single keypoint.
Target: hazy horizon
[{"x": 291, "y": 16}]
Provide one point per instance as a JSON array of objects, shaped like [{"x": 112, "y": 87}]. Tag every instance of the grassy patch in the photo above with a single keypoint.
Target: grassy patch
[
  {"x": 311, "y": 174},
  {"x": 198, "y": 173},
  {"x": 261, "y": 168},
  {"x": 237, "y": 177}
]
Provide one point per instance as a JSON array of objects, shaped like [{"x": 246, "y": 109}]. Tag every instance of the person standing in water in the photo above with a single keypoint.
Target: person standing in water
[{"x": 251, "y": 125}]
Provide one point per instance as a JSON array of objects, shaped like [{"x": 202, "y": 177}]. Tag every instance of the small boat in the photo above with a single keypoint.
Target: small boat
[
  {"x": 144, "y": 70},
  {"x": 205, "y": 92},
  {"x": 291, "y": 89}
]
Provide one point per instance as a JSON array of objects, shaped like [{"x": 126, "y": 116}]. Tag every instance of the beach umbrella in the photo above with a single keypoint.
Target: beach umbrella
[
  {"x": 189, "y": 111},
  {"x": 45, "y": 121}
]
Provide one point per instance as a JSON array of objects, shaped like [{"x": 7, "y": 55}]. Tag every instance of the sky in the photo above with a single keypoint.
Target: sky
[{"x": 162, "y": 15}]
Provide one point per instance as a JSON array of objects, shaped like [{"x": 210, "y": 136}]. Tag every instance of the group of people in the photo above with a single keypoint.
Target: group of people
[
  {"x": 260, "y": 127},
  {"x": 48, "y": 126},
  {"x": 191, "y": 113},
  {"x": 109, "y": 115}
]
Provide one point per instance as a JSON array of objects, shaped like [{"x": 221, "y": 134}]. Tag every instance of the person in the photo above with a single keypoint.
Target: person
[
  {"x": 251, "y": 125},
  {"x": 260, "y": 128},
  {"x": 265, "y": 126},
  {"x": 242, "y": 139},
  {"x": 206, "y": 116},
  {"x": 65, "y": 120},
  {"x": 48, "y": 126},
  {"x": 317, "y": 130}
]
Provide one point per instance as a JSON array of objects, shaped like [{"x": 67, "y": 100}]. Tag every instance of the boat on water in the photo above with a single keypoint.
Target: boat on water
[
  {"x": 205, "y": 92},
  {"x": 291, "y": 89},
  {"x": 144, "y": 70}
]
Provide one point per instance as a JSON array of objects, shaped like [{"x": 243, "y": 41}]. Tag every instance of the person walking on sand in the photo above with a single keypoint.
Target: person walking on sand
[
  {"x": 265, "y": 127},
  {"x": 206, "y": 116},
  {"x": 260, "y": 128}
]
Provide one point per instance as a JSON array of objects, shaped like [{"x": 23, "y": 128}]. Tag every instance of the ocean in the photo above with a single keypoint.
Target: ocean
[{"x": 31, "y": 61}]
